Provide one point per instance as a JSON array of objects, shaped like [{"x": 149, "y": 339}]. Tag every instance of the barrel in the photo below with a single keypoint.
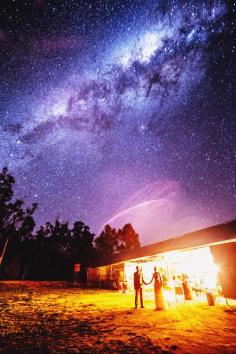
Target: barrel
[
  {"x": 210, "y": 299},
  {"x": 187, "y": 291}
]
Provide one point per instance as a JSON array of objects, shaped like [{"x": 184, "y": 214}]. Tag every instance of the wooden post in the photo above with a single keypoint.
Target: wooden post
[{"x": 4, "y": 251}]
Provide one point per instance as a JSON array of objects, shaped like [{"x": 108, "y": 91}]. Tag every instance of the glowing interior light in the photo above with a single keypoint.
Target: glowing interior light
[{"x": 197, "y": 265}]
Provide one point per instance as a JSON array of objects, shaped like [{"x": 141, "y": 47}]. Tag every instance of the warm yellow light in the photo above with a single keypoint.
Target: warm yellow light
[{"x": 197, "y": 265}]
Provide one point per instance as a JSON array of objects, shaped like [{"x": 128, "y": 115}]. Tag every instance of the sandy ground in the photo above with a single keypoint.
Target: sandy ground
[{"x": 45, "y": 318}]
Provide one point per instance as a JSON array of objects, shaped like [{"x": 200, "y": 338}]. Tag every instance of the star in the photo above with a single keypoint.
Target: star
[{"x": 122, "y": 105}]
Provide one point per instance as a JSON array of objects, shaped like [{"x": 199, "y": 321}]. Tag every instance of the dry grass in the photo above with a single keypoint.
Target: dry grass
[{"x": 42, "y": 318}]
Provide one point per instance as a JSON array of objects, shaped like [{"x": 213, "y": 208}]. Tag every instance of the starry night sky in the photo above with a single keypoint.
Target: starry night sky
[{"x": 121, "y": 111}]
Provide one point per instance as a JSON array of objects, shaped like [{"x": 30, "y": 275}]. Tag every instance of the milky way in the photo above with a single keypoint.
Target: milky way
[{"x": 121, "y": 111}]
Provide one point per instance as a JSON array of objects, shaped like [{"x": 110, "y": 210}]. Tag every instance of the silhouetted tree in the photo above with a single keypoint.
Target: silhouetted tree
[
  {"x": 58, "y": 247},
  {"x": 82, "y": 247},
  {"x": 111, "y": 241},
  {"x": 128, "y": 238},
  {"x": 107, "y": 242},
  {"x": 16, "y": 223},
  {"x": 52, "y": 259}
]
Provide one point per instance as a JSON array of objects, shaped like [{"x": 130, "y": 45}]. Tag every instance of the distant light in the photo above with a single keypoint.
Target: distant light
[{"x": 58, "y": 109}]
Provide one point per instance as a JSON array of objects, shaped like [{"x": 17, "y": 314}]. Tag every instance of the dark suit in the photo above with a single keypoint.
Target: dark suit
[{"x": 138, "y": 283}]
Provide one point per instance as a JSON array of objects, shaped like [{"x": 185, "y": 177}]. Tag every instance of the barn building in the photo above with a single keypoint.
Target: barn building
[{"x": 206, "y": 258}]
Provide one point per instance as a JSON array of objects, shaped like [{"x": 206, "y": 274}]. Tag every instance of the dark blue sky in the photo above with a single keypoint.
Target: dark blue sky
[{"x": 121, "y": 111}]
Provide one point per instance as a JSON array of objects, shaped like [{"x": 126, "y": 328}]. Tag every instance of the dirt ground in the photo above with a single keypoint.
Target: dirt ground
[{"x": 54, "y": 318}]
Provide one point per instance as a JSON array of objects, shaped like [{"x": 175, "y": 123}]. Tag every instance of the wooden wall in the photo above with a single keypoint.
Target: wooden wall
[{"x": 225, "y": 257}]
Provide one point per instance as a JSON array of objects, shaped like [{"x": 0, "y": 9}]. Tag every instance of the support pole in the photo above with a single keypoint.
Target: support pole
[{"x": 4, "y": 251}]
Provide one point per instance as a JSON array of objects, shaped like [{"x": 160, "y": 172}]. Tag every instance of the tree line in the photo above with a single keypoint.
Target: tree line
[{"x": 50, "y": 252}]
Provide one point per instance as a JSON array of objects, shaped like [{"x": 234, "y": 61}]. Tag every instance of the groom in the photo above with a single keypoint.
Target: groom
[{"x": 138, "y": 283}]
